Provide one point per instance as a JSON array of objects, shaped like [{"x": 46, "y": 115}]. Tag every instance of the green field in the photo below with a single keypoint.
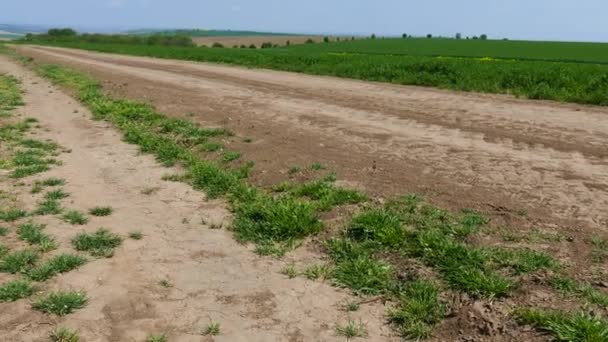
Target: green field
[{"x": 386, "y": 61}]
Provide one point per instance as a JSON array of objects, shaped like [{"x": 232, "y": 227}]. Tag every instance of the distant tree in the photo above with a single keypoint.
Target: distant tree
[
  {"x": 326, "y": 39},
  {"x": 266, "y": 45},
  {"x": 338, "y": 39},
  {"x": 373, "y": 36},
  {"x": 475, "y": 37},
  {"x": 458, "y": 36},
  {"x": 243, "y": 46},
  {"x": 252, "y": 46},
  {"x": 404, "y": 35},
  {"x": 429, "y": 36},
  {"x": 483, "y": 37},
  {"x": 352, "y": 38},
  {"x": 62, "y": 32},
  {"x": 310, "y": 41},
  {"x": 217, "y": 45},
  {"x": 288, "y": 43}
]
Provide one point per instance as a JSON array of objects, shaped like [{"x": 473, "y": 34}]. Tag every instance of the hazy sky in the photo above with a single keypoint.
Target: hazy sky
[{"x": 529, "y": 19}]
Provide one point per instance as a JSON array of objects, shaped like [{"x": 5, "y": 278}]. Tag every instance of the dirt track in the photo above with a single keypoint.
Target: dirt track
[{"x": 487, "y": 151}]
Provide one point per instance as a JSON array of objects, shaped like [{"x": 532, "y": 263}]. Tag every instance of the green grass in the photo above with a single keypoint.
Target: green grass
[
  {"x": 567, "y": 327},
  {"x": 12, "y": 215},
  {"x": 59, "y": 264},
  {"x": 467, "y": 69},
  {"x": 63, "y": 335},
  {"x": 15, "y": 290},
  {"x": 136, "y": 235},
  {"x": 157, "y": 338},
  {"x": 101, "y": 211},
  {"x": 212, "y": 329},
  {"x": 19, "y": 262},
  {"x": 32, "y": 233},
  {"x": 599, "y": 252},
  {"x": 56, "y": 195},
  {"x": 419, "y": 310},
  {"x": 101, "y": 243},
  {"x": 48, "y": 207},
  {"x": 352, "y": 329},
  {"x": 10, "y": 94},
  {"x": 569, "y": 286},
  {"x": 290, "y": 271},
  {"x": 61, "y": 303},
  {"x": 75, "y": 218},
  {"x": 324, "y": 194},
  {"x": 315, "y": 272},
  {"x": 3, "y": 231},
  {"x": 229, "y": 156}
]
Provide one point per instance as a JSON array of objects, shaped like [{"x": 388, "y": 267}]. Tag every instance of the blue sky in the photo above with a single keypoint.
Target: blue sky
[{"x": 523, "y": 19}]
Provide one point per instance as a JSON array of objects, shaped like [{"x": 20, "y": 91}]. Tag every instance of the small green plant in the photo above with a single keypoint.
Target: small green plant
[
  {"x": 566, "y": 326},
  {"x": 352, "y": 329},
  {"x": 56, "y": 195},
  {"x": 157, "y": 338},
  {"x": 294, "y": 169},
  {"x": 48, "y": 207},
  {"x": 290, "y": 271},
  {"x": 212, "y": 329},
  {"x": 101, "y": 243},
  {"x": 101, "y": 211},
  {"x": 19, "y": 262},
  {"x": 12, "y": 215},
  {"x": 3, "y": 231},
  {"x": 229, "y": 156},
  {"x": 64, "y": 335},
  {"x": 316, "y": 166},
  {"x": 32, "y": 233},
  {"x": 59, "y": 264},
  {"x": 75, "y": 217},
  {"x": 49, "y": 182},
  {"x": 211, "y": 146},
  {"x": 247, "y": 140},
  {"x": 136, "y": 235},
  {"x": 61, "y": 303},
  {"x": 419, "y": 310},
  {"x": 15, "y": 290},
  {"x": 166, "y": 283},
  {"x": 315, "y": 272},
  {"x": 351, "y": 306},
  {"x": 600, "y": 249}
]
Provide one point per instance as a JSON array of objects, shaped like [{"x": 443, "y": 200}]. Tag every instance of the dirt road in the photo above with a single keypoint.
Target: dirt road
[
  {"x": 206, "y": 275},
  {"x": 542, "y": 159}
]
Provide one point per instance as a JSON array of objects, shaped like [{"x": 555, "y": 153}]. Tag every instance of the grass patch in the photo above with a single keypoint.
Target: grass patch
[
  {"x": 59, "y": 264},
  {"x": 12, "y": 215},
  {"x": 56, "y": 195},
  {"x": 229, "y": 156},
  {"x": 75, "y": 218},
  {"x": 136, "y": 235},
  {"x": 599, "y": 251},
  {"x": 419, "y": 310},
  {"x": 157, "y": 338},
  {"x": 569, "y": 286},
  {"x": 316, "y": 166},
  {"x": 101, "y": 211},
  {"x": 324, "y": 194},
  {"x": 15, "y": 290},
  {"x": 315, "y": 272},
  {"x": 61, "y": 303},
  {"x": 19, "y": 262},
  {"x": 101, "y": 243},
  {"x": 49, "y": 182},
  {"x": 32, "y": 233},
  {"x": 3, "y": 231},
  {"x": 290, "y": 271},
  {"x": 63, "y": 335},
  {"x": 10, "y": 94},
  {"x": 211, "y": 146},
  {"x": 212, "y": 329},
  {"x": 48, "y": 207},
  {"x": 352, "y": 329},
  {"x": 566, "y": 326}
]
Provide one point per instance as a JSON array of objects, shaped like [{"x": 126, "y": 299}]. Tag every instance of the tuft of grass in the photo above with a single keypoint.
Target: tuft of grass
[
  {"x": 75, "y": 217},
  {"x": 352, "y": 329},
  {"x": 212, "y": 329},
  {"x": 101, "y": 211},
  {"x": 48, "y": 207},
  {"x": 294, "y": 169},
  {"x": 316, "y": 166},
  {"x": 32, "y": 233},
  {"x": 419, "y": 310},
  {"x": 599, "y": 253},
  {"x": 351, "y": 306},
  {"x": 569, "y": 286},
  {"x": 290, "y": 271},
  {"x": 101, "y": 243},
  {"x": 3, "y": 231},
  {"x": 166, "y": 283},
  {"x": 56, "y": 195},
  {"x": 325, "y": 194},
  {"x": 211, "y": 146},
  {"x": 315, "y": 272},
  {"x": 26, "y": 171},
  {"x": 229, "y": 156},
  {"x": 566, "y": 326},
  {"x": 136, "y": 235},
  {"x": 59, "y": 264},
  {"x": 15, "y": 290},
  {"x": 64, "y": 335},
  {"x": 61, "y": 303},
  {"x": 157, "y": 338},
  {"x": 12, "y": 215},
  {"x": 523, "y": 260},
  {"x": 19, "y": 262}
]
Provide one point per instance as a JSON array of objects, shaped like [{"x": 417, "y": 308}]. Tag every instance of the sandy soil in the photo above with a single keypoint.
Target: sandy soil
[
  {"x": 257, "y": 40},
  {"x": 213, "y": 277},
  {"x": 487, "y": 151}
]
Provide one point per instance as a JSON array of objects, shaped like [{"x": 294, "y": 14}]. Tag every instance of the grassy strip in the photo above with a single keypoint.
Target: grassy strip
[
  {"x": 570, "y": 82},
  {"x": 565, "y": 326},
  {"x": 569, "y": 286},
  {"x": 101, "y": 243},
  {"x": 15, "y": 290},
  {"x": 10, "y": 95},
  {"x": 59, "y": 264}
]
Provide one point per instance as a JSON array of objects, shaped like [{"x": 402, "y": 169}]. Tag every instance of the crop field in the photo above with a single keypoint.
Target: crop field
[
  {"x": 465, "y": 65},
  {"x": 161, "y": 199}
]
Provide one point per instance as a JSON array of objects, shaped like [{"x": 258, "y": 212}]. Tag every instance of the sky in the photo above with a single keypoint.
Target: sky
[{"x": 580, "y": 20}]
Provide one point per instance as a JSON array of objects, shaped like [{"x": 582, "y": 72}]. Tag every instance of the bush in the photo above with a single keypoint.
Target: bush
[
  {"x": 62, "y": 32},
  {"x": 252, "y": 46},
  {"x": 326, "y": 39},
  {"x": 310, "y": 41},
  {"x": 217, "y": 45},
  {"x": 266, "y": 45}
]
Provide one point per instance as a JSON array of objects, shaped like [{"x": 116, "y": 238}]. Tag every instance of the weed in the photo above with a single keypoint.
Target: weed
[
  {"x": 315, "y": 272},
  {"x": 294, "y": 169},
  {"x": 3, "y": 231},
  {"x": 59, "y": 264},
  {"x": 49, "y": 182},
  {"x": 101, "y": 211},
  {"x": 247, "y": 140},
  {"x": 211, "y": 146},
  {"x": 63, "y": 335},
  {"x": 325, "y": 194},
  {"x": 419, "y": 310},
  {"x": 75, "y": 217},
  {"x": 15, "y": 290},
  {"x": 19, "y": 262},
  {"x": 566, "y": 326},
  {"x": 569, "y": 286},
  {"x": 56, "y": 195},
  {"x": 26, "y": 171},
  {"x": 229, "y": 156},
  {"x": 317, "y": 166},
  {"x": 290, "y": 271},
  {"x": 101, "y": 243},
  {"x": 12, "y": 215},
  {"x": 61, "y": 303},
  {"x": 352, "y": 329},
  {"x": 48, "y": 207},
  {"x": 157, "y": 338},
  {"x": 523, "y": 260},
  {"x": 166, "y": 283},
  {"x": 600, "y": 249},
  {"x": 32, "y": 233},
  {"x": 136, "y": 235},
  {"x": 212, "y": 329}
]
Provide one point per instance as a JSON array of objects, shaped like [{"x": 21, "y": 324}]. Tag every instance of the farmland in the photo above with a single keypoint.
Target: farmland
[{"x": 482, "y": 69}]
